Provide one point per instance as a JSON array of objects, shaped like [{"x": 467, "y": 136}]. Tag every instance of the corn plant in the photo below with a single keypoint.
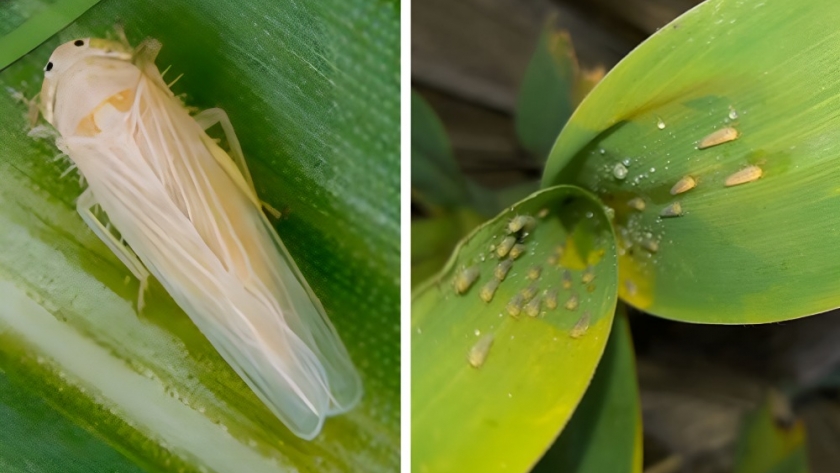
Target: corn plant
[{"x": 696, "y": 182}]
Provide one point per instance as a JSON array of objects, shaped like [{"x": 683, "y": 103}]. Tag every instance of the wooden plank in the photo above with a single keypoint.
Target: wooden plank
[
  {"x": 484, "y": 141},
  {"x": 694, "y": 408},
  {"x": 807, "y": 349},
  {"x": 478, "y": 49},
  {"x": 645, "y": 15},
  {"x": 822, "y": 422}
]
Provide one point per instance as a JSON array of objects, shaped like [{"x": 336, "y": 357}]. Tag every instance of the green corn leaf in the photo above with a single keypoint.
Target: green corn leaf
[
  {"x": 433, "y": 239},
  {"x": 36, "y": 437},
  {"x": 26, "y": 24},
  {"x": 545, "y": 100},
  {"x": 553, "y": 85},
  {"x": 761, "y": 251},
  {"x": 605, "y": 433},
  {"x": 313, "y": 92},
  {"x": 770, "y": 442},
  {"x": 435, "y": 177},
  {"x": 494, "y": 382}
]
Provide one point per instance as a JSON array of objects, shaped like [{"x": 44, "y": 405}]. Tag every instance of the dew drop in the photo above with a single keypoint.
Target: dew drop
[
  {"x": 660, "y": 124},
  {"x": 619, "y": 171},
  {"x": 733, "y": 115}
]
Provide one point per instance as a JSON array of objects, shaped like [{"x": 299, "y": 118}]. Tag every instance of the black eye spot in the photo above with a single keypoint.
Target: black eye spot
[
  {"x": 49, "y": 66},
  {"x": 79, "y": 42}
]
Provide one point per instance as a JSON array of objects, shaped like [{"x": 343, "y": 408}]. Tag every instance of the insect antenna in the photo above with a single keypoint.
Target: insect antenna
[{"x": 119, "y": 31}]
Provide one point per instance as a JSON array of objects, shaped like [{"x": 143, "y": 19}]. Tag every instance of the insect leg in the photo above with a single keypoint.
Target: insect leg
[
  {"x": 146, "y": 52},
  {"x": 33, "y": 112},
  {"x": 84, "y": 205},
  {"x": 213, "y": 116},
  {"x": 119, "y": 30}
]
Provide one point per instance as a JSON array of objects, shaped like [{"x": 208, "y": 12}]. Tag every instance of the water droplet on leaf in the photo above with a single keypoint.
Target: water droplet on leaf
[{"x": 619, "y": 171}]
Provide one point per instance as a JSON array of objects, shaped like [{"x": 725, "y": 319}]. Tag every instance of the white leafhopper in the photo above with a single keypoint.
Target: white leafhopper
[{"x": 188, "y": 214}]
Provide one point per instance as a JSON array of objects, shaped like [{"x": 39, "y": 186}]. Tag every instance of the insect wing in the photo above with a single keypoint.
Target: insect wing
[{"x": 206, "y": 240}]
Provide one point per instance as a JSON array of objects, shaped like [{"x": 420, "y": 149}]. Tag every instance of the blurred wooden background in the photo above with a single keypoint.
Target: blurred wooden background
[{"x": 468, "y": 57}]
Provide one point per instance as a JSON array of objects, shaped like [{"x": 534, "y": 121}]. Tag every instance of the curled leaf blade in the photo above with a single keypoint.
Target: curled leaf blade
[
  {"x": 504, "y": 412},
  {"x": 760, "y": 251}
]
